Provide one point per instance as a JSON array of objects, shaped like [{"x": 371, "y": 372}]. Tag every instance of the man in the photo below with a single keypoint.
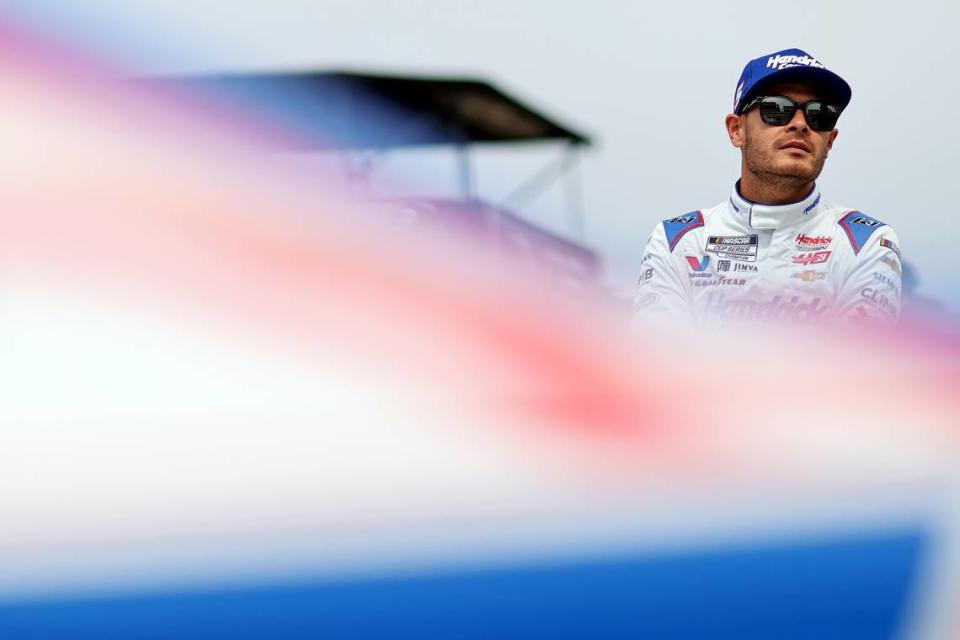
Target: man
[{"x": 776, "y": 250}]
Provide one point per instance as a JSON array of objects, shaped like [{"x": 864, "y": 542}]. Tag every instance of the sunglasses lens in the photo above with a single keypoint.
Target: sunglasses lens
[
  {"x": 821, "y": 116},
  {"x": 777, "y": 110}
]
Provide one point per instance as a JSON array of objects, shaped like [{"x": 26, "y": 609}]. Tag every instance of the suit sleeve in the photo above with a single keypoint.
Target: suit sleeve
[
  {"x": 871, "y": 291},
  {"x": 661, "y": 296}
]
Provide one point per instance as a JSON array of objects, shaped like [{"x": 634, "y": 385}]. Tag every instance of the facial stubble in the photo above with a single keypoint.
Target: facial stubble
[{"x": 762, "y": 163}]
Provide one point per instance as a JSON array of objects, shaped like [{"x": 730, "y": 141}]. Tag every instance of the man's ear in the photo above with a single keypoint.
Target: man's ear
[
  {"x": 735, "y": 129},
  {"x": 833, "y": 136}
]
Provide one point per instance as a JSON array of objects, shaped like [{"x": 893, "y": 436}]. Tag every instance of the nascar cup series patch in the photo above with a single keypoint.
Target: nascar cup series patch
[{"x": 734, "y": 247}]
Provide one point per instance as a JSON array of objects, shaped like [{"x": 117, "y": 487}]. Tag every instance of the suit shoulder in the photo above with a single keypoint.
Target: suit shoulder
[
  {"x": 675, "y": 228},
  {"x": 859, "y": 227}
]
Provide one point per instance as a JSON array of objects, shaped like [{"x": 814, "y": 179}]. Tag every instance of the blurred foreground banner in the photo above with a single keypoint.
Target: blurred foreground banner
[{"x": 236, "y": 402}]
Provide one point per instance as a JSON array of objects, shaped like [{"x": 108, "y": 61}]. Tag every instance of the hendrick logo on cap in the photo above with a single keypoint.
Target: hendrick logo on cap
[{"x": 783, "y": 62}]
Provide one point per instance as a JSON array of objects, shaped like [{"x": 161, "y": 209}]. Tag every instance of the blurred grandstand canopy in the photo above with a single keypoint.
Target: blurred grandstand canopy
[{"x": 347, "y": 110}]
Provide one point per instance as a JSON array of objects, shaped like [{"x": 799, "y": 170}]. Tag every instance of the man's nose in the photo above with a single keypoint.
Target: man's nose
[{"x": 798, "y": 122}]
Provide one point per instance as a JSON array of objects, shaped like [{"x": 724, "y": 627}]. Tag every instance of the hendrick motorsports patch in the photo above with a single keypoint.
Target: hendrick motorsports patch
[{"x": 742, "y": 248}]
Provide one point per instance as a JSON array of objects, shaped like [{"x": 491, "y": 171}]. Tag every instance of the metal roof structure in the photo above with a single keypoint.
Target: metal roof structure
[{"x": 363, "y": 111}]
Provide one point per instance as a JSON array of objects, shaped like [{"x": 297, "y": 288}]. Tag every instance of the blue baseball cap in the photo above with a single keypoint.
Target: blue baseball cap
[{"x": 789, "y": 65}]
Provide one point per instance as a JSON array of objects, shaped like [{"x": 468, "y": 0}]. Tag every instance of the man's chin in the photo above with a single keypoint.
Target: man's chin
[{"x": 801, "y": 172}]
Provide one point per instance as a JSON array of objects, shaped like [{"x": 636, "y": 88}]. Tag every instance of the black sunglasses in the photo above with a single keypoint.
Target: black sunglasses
[{"x": 779, "y": 110}]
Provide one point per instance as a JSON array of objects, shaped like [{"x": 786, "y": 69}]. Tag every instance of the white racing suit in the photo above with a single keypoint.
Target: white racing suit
[{"x": 812, "y": 261}]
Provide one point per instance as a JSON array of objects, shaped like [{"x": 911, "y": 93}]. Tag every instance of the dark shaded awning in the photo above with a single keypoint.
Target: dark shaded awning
[{"x": 339, "y": 110}]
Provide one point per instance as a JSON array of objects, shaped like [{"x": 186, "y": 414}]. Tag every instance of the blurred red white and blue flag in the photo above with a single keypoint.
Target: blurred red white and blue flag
[{"x": 237, "y": 404}]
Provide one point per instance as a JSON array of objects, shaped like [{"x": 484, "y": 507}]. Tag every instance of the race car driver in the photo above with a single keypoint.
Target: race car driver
[{"x": 776, "y": 249}]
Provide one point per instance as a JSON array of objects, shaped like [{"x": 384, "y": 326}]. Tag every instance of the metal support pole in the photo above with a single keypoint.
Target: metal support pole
[
  {"x": 536, "y": 185},
  {"x": 466, "y": 172},
  {"x": 574, "y": 191}
]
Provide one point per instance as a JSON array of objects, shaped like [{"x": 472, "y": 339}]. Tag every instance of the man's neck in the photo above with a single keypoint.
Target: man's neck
[{"x": 764, "y": 192}]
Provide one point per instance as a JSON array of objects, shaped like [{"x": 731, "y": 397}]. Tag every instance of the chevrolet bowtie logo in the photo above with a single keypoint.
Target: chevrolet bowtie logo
[{"x": 810, "y": 276}]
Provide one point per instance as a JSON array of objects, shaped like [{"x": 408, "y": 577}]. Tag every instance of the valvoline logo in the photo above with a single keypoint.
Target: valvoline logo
[{"x": 698, "y": 265}]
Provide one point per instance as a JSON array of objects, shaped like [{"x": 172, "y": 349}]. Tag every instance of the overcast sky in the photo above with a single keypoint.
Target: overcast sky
[{"x": 651, "y": 85}]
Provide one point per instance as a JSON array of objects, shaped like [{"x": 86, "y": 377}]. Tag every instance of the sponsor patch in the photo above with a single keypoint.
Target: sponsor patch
[
  {"x": 858, "y": 227},
  {"x": 742, "y": 248},
  {"x": 866, "y": 221},
  {"x": 812, "y": 243},
  {"x": 794, "y": 308},
  {"x": 861, "y": 317},
  {"x": 878, "y": 300},
  {"x": 784, "y": 61},
  {"x": 890, "y": 244},
  {"x": 883, "y": 278},
  {"x": 816, "y": 257},
  {"x": 698, "y": 264},
  {"x": 645, "y": 276},
  {"x": 739, "y": 267},
  {"x": 893, "y": 264},
  {"x": 645, "y": 301},
  {"x": 699, "y": 267},
  {"x": 676, "y": 228},
  {"x": 719, "y": 282},
  {"x": 810, "y": 276}
]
